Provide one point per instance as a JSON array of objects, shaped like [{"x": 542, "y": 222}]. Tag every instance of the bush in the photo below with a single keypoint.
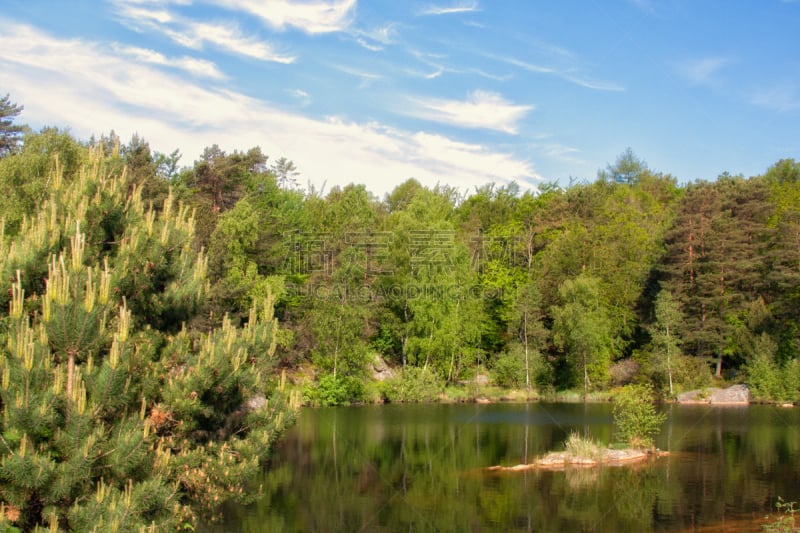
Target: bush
[
  {"x": 509, "y": 371},
  {"x": 331, "y": 391},
  {"x": 635, "y": 417},
  {"x": 414, "y": 384},
  {"x": 690, "y": 373},
  {"x": 765, "y": 379}
]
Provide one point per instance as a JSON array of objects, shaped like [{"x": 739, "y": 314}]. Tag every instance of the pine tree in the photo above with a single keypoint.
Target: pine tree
[
  {"x": 115, "y": 416},
  {"x": 10, "y": 133}
]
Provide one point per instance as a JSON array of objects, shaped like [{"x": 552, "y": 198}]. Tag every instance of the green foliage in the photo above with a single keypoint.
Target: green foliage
[
  {"x": 635, "y": 417},
  {"x": 582, "y": 328},
  {"x": 114, "y": 416},
  {"x": 581, "y": 447},
  {"x": 509, "y": 369},
  {"x": 414, "y": 384},
  {"x": 332, "y": 390},
  {"x": 768, "y": 380},
  {"x": 27, "y": 174},
  {"x": 665, "y": 338},
  {"x": 10, "y": 133}
]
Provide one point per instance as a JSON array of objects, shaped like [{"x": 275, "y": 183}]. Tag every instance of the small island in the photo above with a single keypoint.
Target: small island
[
  {"x": 636, "y": 421},
  {"x": 581, "y": 452}
]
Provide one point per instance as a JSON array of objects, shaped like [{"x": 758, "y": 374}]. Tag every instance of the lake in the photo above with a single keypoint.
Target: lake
[{"x": 421, "y": 468}]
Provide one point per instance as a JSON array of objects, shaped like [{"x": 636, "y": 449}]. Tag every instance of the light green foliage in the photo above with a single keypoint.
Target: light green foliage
[
  {"x": 413, "y": 385},
  {"x": 509, "y": 370},
  {"x": 515, "y": 368},
  {"x": 332, "y": 390},
  {"x": 768, "y": 380},
  {"x": 636, "y": 419},
  {"x": 114, "y": 416},
  {"x": 437, "y": 304},
  {"x": 27, "y": 173},
  {"x": 580, "y": 447},
  {"x": 583, "y": 330},
  {"x": 665, "y": 337}
]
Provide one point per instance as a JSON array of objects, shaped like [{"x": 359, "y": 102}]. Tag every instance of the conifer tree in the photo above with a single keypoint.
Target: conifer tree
[{"x": 113, "y": 415}]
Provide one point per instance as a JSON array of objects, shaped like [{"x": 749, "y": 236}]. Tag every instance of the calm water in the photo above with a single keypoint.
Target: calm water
[{"x": 419, "y": 468}]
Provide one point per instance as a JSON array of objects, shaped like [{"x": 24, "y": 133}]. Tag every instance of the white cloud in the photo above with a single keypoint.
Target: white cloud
[
  {"x": 228, "y": 37},
  {"x": 457, "y": 7},
  {"x": 314, "y": 16},
  {"x": 376, "y": 39},
  {"x": 481, "y": 109},
  {"x": 703, "y": 71},
  {"x": 195, "y": 35},
  {"x": 197, "y": 67},
  {"x": 86, "y": 87}
]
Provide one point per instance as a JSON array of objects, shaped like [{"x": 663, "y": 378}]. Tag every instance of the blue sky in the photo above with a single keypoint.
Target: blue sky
[{"x": 459, "y": 92}]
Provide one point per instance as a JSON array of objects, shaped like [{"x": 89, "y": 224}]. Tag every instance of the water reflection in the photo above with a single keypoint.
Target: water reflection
[{"x": 420, "y": 468}]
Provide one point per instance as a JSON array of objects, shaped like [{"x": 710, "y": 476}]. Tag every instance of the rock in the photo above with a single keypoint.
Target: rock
[
  {"x": 552, "y": 460},
  {"x": 625, "y": 456},
  {"x": 737, "y": 394},
  {"x": 696, "y": 396},
  {"x": 733, "y": 395},
  {"x": 380, "y": 370}
]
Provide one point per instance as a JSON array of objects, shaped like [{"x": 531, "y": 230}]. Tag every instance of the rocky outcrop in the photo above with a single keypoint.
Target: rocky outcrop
[{"x": 734, "y": 395}]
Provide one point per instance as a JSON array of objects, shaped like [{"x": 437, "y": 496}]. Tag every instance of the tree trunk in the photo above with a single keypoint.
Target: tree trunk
[
  {"x": 527, "y": 360},
  {"x": 669, "y": 363}
]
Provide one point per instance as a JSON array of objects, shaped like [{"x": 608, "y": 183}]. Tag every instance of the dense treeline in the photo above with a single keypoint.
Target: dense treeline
[{"x": 631, "y": 277}]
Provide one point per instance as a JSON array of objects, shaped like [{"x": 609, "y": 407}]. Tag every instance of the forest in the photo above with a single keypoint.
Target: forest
[{"x": 191, "y": 305}]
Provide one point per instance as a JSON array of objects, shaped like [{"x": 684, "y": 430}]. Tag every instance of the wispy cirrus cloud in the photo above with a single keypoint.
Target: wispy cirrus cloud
[
  {"x": 571, "y": 74},
  {"x": 644, "y": 5},
  {"x": 378, "y": 38},
  {"x": 703, "y": 70},
  {"x": 310, "y": 16},
  {"x": 87, "y": 86},
  {"x": 450, "y": 9},
  {"x": 481, "y": 109},
  {"x": 302, "y": 97},
  {"x": 145, "y": 16},
  {"x": 367, "y": 78},
  {"x": 438, "y": 62},
  {"x": 554, "y": 150},
  {"x": 197, "y": 67},
  {"x": 779, "y": 97}
]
